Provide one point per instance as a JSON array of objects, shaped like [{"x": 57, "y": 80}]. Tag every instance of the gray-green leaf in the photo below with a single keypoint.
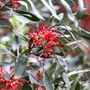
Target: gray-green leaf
[{"x": 47, "y": 81}]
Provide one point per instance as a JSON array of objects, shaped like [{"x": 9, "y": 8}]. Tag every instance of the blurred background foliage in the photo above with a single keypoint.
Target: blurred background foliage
[{"x": 70, "y": 69}]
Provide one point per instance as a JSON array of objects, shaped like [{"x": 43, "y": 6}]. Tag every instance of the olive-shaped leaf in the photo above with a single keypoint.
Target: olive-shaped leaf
[
  {"x": 28, "y": 15},
  {"x": 20, "y": 66},
  {"x": 47, "y": 81}
]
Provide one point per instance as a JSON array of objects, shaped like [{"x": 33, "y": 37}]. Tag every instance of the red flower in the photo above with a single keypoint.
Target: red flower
[
  {"x": 10, "y": 84},
  {"x": 38, "y": 78},
  {"x": 14, "y": 84},
  {"x": 46, "y": 38},
  {"x": 40, "y": 88},
  {"x": 85, "y": 23},
  {"x": 74, "y": 8},
  {"x": 15, "y": 3},
  {"x": 2, "y": 71},
  {"x": 38, "y": 75}
]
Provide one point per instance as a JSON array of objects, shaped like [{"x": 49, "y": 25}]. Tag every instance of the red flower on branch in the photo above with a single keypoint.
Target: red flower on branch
[
  {"x": 38, "y": 75},
  {"x": 85, "y": 22},
  {"x": 14, "y": 84},
  {"x": 15, "y": 3},
  {"x": 10, "y": 84},
  {"x": 45, "y": 37},
  {"x": 75, "y": 8}
]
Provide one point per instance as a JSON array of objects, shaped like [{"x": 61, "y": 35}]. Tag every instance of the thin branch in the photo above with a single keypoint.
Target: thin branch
[{"x": 77, "y": 72}]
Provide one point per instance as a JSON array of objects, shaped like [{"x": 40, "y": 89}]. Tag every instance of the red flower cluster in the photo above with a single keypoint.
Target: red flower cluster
[
  {"x": 11, "y": 84},
  {"x": 38, "y": 75},
  {"x": 85, "y": 22},
  {"x": 15, "y": 3},
  {"x": 75, "y": 8},
  {"x": 46, "y": 38}
]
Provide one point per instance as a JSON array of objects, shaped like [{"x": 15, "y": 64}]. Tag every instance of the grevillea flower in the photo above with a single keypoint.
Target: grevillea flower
[
  {"x": 75, "y": 8},
  {"x": 10, "y": 84},
  {"x": 14, "y": 84},
  {"x": 38, "y": 75},
  {"x": 1, "y": 72},
  {"x": 15, "y": 3},
  {"x": 46, "y": 38}
]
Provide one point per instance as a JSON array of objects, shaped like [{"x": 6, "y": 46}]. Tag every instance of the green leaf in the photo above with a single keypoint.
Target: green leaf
[
  {"x": 68, "y": 9},
  {"x": 80, "y": 9},
  {"x": 5, "y": 25},
  {"x": 36, "y": 12},
  {"x": 6, "y": 67},
  {"x": 26, "y": 87},
  {"x": 6, "y": 76},
  {"x": 21, "y": 36},
  {"x": 24, "y": 4},
  {"x": 83, "y": 16},
  {"x": 70, "y": 2},
  {"x": 28, "y": 15},
  {"x": 57, "y": 80},
  {"x": 21, "y": 18},
  {"x": 58, "y": 72},
  {"x": 66, "y": 80},
  {"x": 33, "y": 78},
  {"x": 78, "y": 86},
  {"x": 20, "y": 66},
  {"x": 4, "y": 63},
  {"x": 61, "y": 62},
  {"x": 47, "y": 81},
  {"x": 52, "y": 68},
  {"x": 80, "y": 6},
  {"x": 85, "y": 34},
  {"x": 51, "y": 9},
  {"x": 7, "y": 52},
  {"x": 76, "y": 60},
  {"x": 15, "y": 45}
]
